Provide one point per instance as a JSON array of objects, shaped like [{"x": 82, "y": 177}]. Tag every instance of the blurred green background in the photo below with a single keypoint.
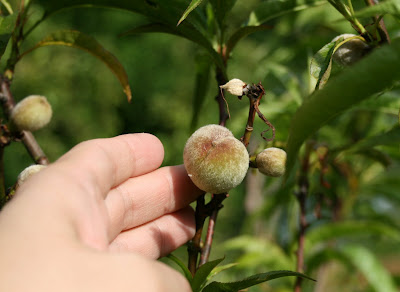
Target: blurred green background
[{"x": 258, "y": 224}]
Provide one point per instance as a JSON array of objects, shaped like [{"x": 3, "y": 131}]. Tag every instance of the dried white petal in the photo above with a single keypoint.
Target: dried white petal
[{"x": 234, "y": 87}]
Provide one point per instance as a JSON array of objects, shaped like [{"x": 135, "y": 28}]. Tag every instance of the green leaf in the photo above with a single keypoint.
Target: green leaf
[
  {"x": 7, "y": 6},
  {"x": 374, "y": 73},
  {"x": 202, "y": 274},
  {"x": 165, "y": 11},
  {"x": 7, "y": 25},
  {"x": 334, "y": 231},
  {"x": 196, "y": 38},
  {"x": 385, "y": 7},
  {"x": 203, "y": 68},
  {"x": 220, "y": 269},
  {"x": 161, "y": 12},
  {"x": 321, "y": 64},
  {"x": 241, "y": 33},
  {"x": 190, "y": 8},
  {"x": 365, "y": 261},
  {"x": 76, "y": 39},
  {"x": 268, "y": 10},
  {"x": 251, "y": 281},
  {"x": 182, "y": 266}
]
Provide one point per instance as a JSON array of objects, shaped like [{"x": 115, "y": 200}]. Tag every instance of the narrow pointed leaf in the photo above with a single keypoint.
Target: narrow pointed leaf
[
  {"x": 161, "y": 12},
  {"x": 376, "y": 72},
  {"x": 76, "y": 39},
  {"x": 182, "y": 266},
  {"x": 7, "y": 24},
  {"x": 202, "y": 274},
  {"x": 271, "y": 9},
  {"x": 220, "y": 269},
  {"x": 190, "y": 8},
  {"x": 241, "y": 33},
  {"x": 251, "y": 281}
]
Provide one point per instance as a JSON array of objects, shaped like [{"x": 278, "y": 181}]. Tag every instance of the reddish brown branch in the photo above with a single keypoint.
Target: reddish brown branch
[
  {"x": 255, "y": 92},
  {"x": 215, "y": 206}
]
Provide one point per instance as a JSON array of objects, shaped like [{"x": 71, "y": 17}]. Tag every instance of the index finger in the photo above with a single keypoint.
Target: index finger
[{"x": 102, "y": 164}]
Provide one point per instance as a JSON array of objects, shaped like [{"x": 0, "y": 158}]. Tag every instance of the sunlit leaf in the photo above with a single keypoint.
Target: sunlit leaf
[
  {"x": 241, "y": 33},
  {"x": 7, "y": 6},
  {"x": 76, "y": 39},
  {"x": 181, "y": 265},
  {"x": 251, "y": 281},
  {"x": 190, "y": 8},
  {"x": 7, "y": 24},
  {"x": 374, "y": 73},
  {"x": 203, "y": 273},
  {"x": 268, "y": 10},
  {"x": 385, "y": 7},
  {"x": 220, "y": 269},
  {"x": 366, "y": 262}
]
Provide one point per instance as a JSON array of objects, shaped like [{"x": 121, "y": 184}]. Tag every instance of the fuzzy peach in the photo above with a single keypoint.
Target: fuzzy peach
[
  {"x": 271, "y": 161},
  {"x": 215, "y": 160}
]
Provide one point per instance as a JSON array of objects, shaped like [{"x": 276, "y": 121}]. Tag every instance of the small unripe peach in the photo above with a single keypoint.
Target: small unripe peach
[
  {"x": 271, "y": 161},
  {"x": 215, "y": 160},
  {"x": 28, "y": 172},
  {"x": 351, "y": 51},
  {"x": 32, "y": 113}
]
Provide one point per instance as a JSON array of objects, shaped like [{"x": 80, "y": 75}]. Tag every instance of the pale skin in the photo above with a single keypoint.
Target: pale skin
[{"x": 97, "y": 219}]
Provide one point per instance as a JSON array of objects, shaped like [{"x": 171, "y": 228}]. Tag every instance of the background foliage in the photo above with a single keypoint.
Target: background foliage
[{"x": 353, "y": 243}]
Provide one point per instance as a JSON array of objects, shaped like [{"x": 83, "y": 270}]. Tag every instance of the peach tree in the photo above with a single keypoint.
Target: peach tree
[{"x": 315, "y": 147}]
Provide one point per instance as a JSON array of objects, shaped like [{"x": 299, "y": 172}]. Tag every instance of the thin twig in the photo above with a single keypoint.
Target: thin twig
[
  {"x": 215, "y": 206},
  {"x": 301, "y": 196},
  {"x": 255, "y": 92},
  {"x": 194, "y": 247}
]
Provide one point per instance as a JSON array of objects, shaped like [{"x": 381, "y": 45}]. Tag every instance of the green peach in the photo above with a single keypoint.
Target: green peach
[
  {"x": 215, "y": 160},
  {"x": 271, "y": 161},
  {"x": 32, "y": 113}
]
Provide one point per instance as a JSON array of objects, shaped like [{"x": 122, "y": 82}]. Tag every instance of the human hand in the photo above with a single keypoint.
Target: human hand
[{"x": 96, "y": 220}]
